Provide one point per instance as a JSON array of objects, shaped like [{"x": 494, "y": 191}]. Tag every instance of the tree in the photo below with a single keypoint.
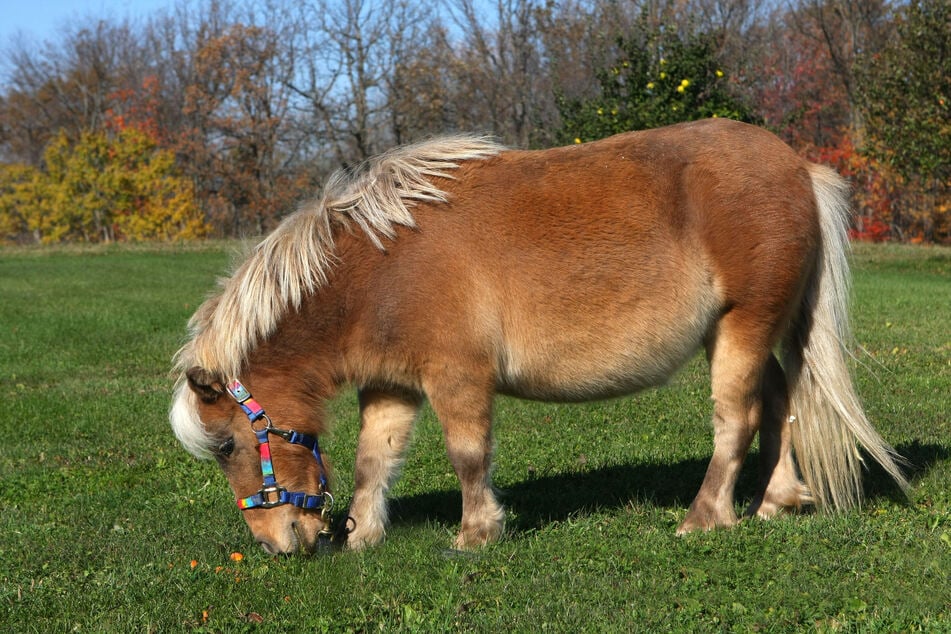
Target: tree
[
  {"x": 259, "y": 102},
  {"x": 65, "y": 85},
  {"x": 845, "y": 29},
  {"x": 789, "y": 81},
  {"x": 18, "y": 202},
  {"x": 906, "y": 100},
  {"x": 500, "y": 72},
  {"x": 660, "y": 77},
  {"x": 100, "y": 189},
  {"x": 421, "y": 91},
  {"x": 149, "y": 198},
  {"x": 235, "y": 113},
  {"x": 351, "y": 55}
]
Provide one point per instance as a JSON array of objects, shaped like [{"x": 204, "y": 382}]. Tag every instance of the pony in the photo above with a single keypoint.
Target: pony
[{"x": 456, "y": 269}]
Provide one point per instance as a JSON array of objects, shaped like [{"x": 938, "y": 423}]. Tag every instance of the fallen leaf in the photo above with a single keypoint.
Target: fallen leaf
[{"x": 254, "y": 617}]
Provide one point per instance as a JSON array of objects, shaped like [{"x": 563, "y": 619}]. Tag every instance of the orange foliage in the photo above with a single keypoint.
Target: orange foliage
[
  {"x": 136, "y": 109},
  {"x": 875, "y": 189}
]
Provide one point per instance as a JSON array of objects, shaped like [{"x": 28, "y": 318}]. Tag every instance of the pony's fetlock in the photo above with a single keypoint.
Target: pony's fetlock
[
  {"x": 485, "y": 529},
  {"x": 472, "y": 537},
  {"x": 365, "y": 534}
]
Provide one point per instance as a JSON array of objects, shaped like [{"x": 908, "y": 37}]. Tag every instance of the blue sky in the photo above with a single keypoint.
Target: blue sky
[{"x": 40, "y": 20}]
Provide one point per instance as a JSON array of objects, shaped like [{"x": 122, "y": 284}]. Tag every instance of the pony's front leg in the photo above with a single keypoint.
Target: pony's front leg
[
  {"x": 465, "y": 413},
  {"x": 386, "y": 422}
]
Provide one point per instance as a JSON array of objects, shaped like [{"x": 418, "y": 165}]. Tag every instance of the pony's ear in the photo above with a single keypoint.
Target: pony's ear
[{"x": 205, "y": 384}]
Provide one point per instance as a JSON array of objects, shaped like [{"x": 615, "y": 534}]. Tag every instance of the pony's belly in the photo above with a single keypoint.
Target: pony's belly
[
  {"x": 591, "y": 368},
  {"x": 614, "y": 343},
  {"x": 580, "y": 386}
]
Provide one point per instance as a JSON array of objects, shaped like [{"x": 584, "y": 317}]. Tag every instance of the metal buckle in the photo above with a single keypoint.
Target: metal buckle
[
  {"x": 326, "y": 535},
  {"x": 266, "y": 492}
]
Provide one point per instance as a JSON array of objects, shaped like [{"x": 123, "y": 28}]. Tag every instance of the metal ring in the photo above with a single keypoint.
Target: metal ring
[{"x": 267, "y": 422}]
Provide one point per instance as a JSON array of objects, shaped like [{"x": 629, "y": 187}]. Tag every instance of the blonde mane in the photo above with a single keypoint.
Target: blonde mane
[{"x": 295, "y": 259}]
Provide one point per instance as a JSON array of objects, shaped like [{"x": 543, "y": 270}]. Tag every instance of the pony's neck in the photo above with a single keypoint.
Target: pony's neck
[
  {"x": 310, "y": 349},
  {"x": 305, "y": 351}
]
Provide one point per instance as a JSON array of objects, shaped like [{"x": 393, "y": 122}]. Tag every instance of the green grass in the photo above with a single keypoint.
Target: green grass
[{"x": 101, "y": 512}]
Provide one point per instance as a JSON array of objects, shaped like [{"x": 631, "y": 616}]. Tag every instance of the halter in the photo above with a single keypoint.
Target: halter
[{"x": 272, "y": 494}]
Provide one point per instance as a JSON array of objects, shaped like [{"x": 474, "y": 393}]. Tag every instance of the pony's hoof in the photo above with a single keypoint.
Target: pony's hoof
[
  {"x": 473, "y": 539},
  {"x": 697, "y": 520}
]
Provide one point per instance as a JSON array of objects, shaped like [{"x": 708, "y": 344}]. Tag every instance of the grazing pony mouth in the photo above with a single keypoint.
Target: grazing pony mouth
[
  {"x": 301, "y": 545},
  {"x": 297, "y": 546},
  {"x": 321, "y": 542}
]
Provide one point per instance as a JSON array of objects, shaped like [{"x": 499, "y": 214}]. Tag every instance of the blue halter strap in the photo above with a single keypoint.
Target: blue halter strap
[{"x": 273, "y": 494}]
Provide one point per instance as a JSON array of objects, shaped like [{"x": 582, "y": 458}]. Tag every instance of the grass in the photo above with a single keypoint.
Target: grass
[{"x": 106, "y": 524}]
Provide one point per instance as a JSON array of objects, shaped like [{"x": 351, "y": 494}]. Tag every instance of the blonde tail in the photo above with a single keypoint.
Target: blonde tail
[{"x": 829, "y": 422}]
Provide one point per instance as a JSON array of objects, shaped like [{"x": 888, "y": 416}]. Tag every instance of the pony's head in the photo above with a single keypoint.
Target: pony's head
[{"x": 271, "y": 458}]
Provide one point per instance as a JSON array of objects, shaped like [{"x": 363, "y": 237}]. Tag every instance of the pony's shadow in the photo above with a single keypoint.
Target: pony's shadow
[{"x": 537, "y": 501}]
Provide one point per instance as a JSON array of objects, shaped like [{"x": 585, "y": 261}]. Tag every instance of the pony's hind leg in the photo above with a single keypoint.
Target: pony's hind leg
[
  {"x": 736, "y": 368},
  {"x": 386, "y": 422},
  {"x": 465, "y": 412},
  {"x": 779, "y": 485}
]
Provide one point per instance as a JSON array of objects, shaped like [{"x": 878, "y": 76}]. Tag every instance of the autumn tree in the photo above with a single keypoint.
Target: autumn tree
[
  {"x": 258, "y": 102},
  {"x": 906, "y": 100},
  {"x": 422, "y": 92},
  {"x": 100, "y": 189},
  {"x": 18, "y": 203},
  {"x": 660, "y": 77},
  {"x": 235, "y": 112},
  {"x": 844, "y": 29},
  {"x": 500, "y": 69},
  {"x": 350, "y": 55},
  {"x": 136, "y": 108},
  {"x": 65, "y": 85}
]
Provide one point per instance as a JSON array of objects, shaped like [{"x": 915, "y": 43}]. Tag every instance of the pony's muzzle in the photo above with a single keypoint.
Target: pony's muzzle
[{"x": 287, "y": 531}]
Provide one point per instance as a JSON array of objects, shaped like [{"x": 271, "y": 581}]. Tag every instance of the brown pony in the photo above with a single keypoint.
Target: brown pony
[{"x": 456, "y": 269}]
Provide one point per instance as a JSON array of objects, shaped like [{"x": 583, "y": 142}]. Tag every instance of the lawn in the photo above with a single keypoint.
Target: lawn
[{"x": 106, "y": 524}]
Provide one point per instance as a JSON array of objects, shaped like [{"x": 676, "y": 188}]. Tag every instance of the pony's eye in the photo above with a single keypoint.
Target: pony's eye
[{"x": 226, "y": 448}]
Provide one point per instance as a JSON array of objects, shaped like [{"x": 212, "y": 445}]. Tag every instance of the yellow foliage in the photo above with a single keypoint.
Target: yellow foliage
[
  {"x": 101, "y": 188},
  {"x": 16, "y": 187}
]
